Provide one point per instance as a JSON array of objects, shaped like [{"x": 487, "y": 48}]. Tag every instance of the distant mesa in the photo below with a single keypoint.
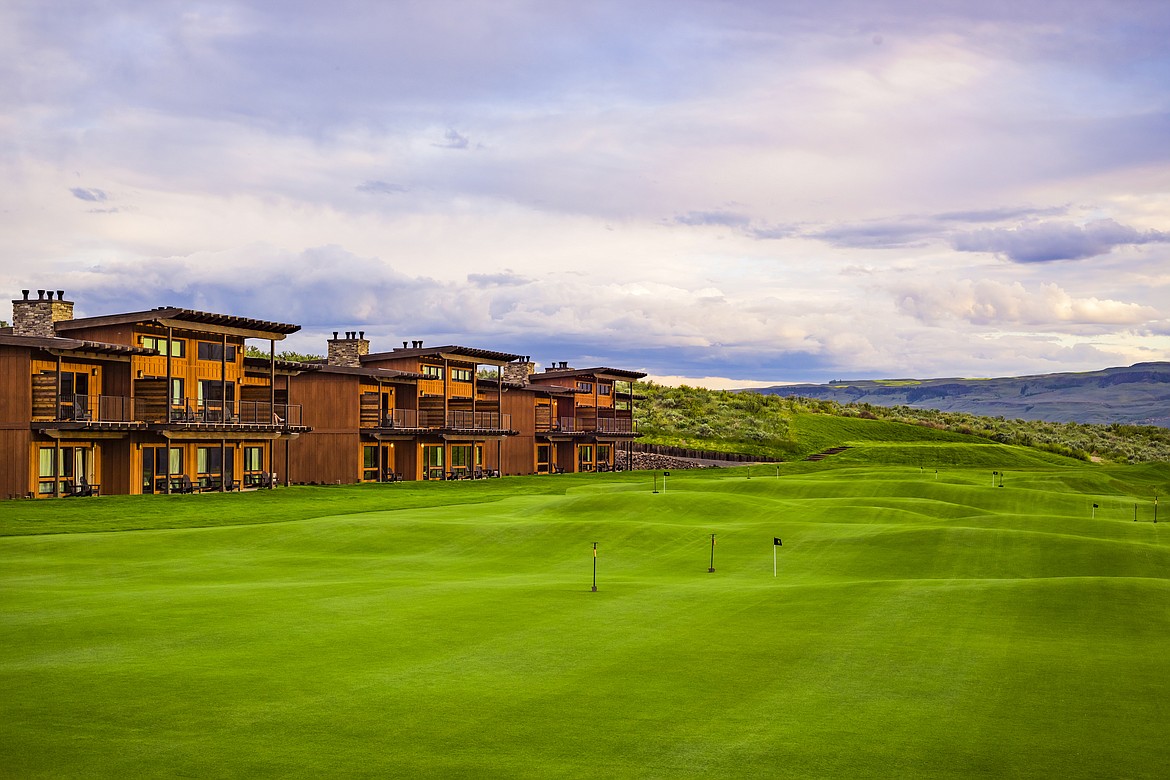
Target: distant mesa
[{"x": 1137, "y": 394}]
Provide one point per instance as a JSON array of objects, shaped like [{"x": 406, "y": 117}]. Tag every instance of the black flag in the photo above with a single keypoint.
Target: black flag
[{"x": 776, "y": 542}]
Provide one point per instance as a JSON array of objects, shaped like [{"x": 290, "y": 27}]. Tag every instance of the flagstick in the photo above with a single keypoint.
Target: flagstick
[
  {"x": 773, "y": 560},
  {"x": 595, "y": 567}
]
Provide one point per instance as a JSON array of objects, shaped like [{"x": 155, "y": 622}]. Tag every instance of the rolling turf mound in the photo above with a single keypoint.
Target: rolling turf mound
[{"x": 923, "y": 622}]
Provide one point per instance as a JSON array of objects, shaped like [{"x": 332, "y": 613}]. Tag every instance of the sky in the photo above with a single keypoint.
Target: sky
[{"x": 725, "y": 194}]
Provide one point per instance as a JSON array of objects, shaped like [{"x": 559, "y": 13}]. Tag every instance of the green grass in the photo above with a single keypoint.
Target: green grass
[{"x": 922, "y": 624}]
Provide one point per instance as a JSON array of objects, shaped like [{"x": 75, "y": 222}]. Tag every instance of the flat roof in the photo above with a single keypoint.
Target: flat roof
[
  {"x": 471, "y": 352},
  {"x": 389, "y": 374},
  {"x": 172, "y": 313},
  {"x": 73, "y": 345},
  {"x": 563, "y": 373}
]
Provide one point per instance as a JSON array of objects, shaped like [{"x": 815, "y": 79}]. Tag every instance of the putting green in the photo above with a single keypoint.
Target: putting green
[{"x": 921, "y": 625}]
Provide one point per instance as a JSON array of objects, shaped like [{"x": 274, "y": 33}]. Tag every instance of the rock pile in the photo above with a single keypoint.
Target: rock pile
[{"x": 649, "y": 460}]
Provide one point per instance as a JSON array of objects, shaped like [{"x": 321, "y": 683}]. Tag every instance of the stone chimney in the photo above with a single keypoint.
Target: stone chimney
[
  {"x": 36, "y": 317},
  {"x": 519, "y": 371},
  {"x": 348, "y": 351}
]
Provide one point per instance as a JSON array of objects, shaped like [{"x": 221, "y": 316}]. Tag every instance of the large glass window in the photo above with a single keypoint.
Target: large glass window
[
  {"x": 461, "y": 457},
  {"x": 75, "y": 402},
  {"x": 209, "y": 350},
  {"x": 543, "y": 458},
  {"x": 432, "y": 461},
  {"x": 585, "y": 457},
  {"x": 461, "y": 374},
  {"x": 603, "y": 453},
  {"x": 45, "y": 470},
  {"x": 159, "y": 343},
  {"x": 432, "y": 372},
  {"x": 369, "y": 463},
  {"x": 605, "y": 389},
  {"x": 74, "y": 467}
]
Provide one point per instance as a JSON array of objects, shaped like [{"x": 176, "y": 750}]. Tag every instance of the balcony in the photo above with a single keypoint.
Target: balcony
[
  {"x": 106, "y": 410},
  {"x": 412, "y": 419},
  {"x": 96, "y": 409},
  {"x": 618, "y": 427},
  {"x": 190, "y": 411}
]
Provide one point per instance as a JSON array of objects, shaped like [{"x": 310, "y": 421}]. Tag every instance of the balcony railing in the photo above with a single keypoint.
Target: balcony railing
[
  {"x": 119, "y": 409},
  {"x": 619, "y": 425},
  {"x": 464, "y": 421},
  {"x": 96, "y": 408},
  {"x": 602, "y": 425},
  {"x": 202, "y": 412}
]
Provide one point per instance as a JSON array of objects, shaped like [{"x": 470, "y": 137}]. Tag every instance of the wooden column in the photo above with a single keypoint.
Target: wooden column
[
  {"x": 446, "y": 390},
  {"x": 288, "y": 441},
  {"x": 57, "y": 404},
  {"x": 170, "y": 400},
  {"x": 272, "y": 375},
  {"x": 223, "y": 464},
  {"x": 223, "y": 380}
]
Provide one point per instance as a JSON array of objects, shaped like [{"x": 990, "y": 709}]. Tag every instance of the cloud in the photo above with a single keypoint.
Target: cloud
[
  {"x": 1050, "y": 241},
  {"x": 505, "y": 279},
  {"x": 381, "y": 188},
  {"x": 993, "y": 303},
  {"x": 1000, "y": 214},
  {"x": 89, "y": 194},
  {"x": 453, "y": 141},
  {"x": 877, "y": 235},
  {"x": 724, "y": 218}
]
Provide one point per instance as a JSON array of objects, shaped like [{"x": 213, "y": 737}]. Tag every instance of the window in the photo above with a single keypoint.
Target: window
[
  {"x": 461, "y": 374},
  {"x": 209, "y": 350},
  {"x": 253, "y": 464},
  {"x": 432, "y": 372},
  {"x": 75, "y": 465},
  {"x": 160, "y": 344},
  {"x": 75, "y": 401},
  {"x": 45, "y": 470},
  {"x": 603, "y": 453},
  {"x": 605, "y": 389},
  {"x": 177, "y": 397},
  {"x": 369, "y": 463},
  {"x": 211, "y": 462},
  {"x": 432, "y": 462},
  {"x": 585, "y": 456},
  {"x": 584, "y": 387},
  {"x": 543, "y": 458},
  {"x": 461, "y": 457}
]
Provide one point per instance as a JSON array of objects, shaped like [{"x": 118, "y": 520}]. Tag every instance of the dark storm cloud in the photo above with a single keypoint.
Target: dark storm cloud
[{"x": 1051, "y": 241}]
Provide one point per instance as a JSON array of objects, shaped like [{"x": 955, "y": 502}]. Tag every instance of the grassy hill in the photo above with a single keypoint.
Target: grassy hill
[
  {"x": 793, "y": 427},
  {"x": 1136, "y": 395},
  {"x": 924, "y": 623}
]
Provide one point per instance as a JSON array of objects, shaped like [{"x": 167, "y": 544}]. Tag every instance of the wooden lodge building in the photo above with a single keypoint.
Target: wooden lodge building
[
  {"x": 166, "y": 401},
  {"x": 158, "y": 401}
]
